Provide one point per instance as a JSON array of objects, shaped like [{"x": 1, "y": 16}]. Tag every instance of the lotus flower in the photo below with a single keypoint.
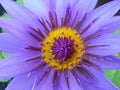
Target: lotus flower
[{"x": 59, "y": 44}]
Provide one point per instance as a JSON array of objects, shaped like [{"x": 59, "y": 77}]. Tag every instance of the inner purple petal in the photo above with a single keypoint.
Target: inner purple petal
[{"x": 63, "y": 48}]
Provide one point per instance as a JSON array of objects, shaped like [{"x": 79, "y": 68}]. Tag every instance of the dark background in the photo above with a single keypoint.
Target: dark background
[{"x": 2, "y": 11}]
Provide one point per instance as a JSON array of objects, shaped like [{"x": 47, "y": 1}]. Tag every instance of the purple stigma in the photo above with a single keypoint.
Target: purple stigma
[{"x": 63, "y": 48}]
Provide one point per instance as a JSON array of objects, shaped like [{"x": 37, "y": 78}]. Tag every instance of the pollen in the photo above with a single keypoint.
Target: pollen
[{"x": 63, "y": 48}]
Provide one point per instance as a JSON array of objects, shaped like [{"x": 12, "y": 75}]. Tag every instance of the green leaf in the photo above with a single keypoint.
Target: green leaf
[
  {"x": 20, "y": 1},
  {"x": 116, "y": 78},
  {"x": 118, "y": 54},
  {"x": 5, "y": 15},
  {"x": 110, "y": 73},
  {"x": 117, "y": 32},
  {"x": 3, "y": 55}
]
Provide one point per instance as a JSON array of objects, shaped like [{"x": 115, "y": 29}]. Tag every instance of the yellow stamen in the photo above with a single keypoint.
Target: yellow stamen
[{"x": 48, "y": 43}]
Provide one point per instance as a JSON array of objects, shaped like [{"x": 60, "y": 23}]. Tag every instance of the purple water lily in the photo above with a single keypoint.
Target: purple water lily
[{"x": 59, "y": 44}]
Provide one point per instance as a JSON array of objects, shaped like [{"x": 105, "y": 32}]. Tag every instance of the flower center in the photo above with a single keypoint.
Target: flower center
[{"x": 63, "y": 48}]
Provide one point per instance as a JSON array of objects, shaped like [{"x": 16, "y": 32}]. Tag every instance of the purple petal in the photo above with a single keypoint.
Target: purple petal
[
  {"x": 22, "y": 82},
  {"x": 46, "y": 82},
  {"x": 16, "y": 63},
  {"x": 19, "y": 30},
  {"x": 75, "y": 5},
  {"x": 100, "y": 15},
  {"x": 112, "y": 25},
  {"x": 61, "y": 11},
  {"x": 20, "y": 13},
  {"x": 50, "y": 4},
  {"x": 101, "y": 82},
  {"x": 55, "y": 5},
  {"x": 38, "y": 7},
  {"x": 104, "y": 45},
  {"x": 9, "y": 44},
  {"x": 17, "y": 68},
  {"x": 61, "y": 86},
  {"x": 20, "y": 57},
  {"x": 83, "y": 7},
  {"x": 87, "y": 86},
  {"x": 107, "y": 62},
  {"x": 73, "y": 82}
]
